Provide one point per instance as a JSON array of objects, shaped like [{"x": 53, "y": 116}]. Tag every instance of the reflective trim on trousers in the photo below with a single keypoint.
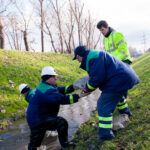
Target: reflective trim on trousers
[
  {"x": 105, "y": 125},
  {"x": 123, "y": 102},
  {"x": 123, "y": 106},
  {"x": 105, "y": 118}
]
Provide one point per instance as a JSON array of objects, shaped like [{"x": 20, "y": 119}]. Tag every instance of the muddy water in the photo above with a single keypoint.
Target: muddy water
[{"x": 16, "y": 137}]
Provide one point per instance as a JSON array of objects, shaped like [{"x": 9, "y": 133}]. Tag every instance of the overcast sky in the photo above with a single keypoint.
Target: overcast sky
[{"x": 131, "y": 17}]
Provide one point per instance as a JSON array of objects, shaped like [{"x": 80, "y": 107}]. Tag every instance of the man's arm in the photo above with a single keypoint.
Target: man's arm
[
  {"x": 53, "y": 96},
  {"x": 97, "y": 74},
  {"x": 121, "y": 44},
  {"x": 66, "y": 89}
]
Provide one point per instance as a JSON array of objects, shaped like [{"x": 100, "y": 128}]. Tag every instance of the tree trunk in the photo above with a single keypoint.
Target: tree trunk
[
  {"x": 42, "y": 37},
  {"x": 42, "y": 20},
  {"x": 26, "y": 40},
  {"x": 51, "y": 37},
  {"x": 2, "y": 39}
]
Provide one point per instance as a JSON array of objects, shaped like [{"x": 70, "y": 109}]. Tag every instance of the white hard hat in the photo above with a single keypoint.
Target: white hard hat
[
  {"x": 48, "y": 70},
  {"x": 22, "y": 86}
]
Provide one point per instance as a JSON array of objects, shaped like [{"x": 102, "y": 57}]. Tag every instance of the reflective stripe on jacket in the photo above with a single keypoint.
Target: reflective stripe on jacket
[{"x": 116, "y": 45}]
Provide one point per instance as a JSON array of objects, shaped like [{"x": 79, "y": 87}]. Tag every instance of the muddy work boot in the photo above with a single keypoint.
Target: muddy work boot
[{"x": 127, "y": 112}]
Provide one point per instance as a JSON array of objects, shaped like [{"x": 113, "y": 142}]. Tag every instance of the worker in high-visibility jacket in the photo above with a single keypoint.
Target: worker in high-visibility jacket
[
  {"x": 113, "y": 77},
  {"x": 114, "y": 42}
]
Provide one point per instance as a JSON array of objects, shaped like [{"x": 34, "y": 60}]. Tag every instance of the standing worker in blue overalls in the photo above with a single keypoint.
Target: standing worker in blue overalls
[{"x": 113, "y": 77}]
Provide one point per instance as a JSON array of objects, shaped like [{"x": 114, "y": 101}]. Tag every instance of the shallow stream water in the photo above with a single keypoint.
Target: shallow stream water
[{"x": 16, "y": 137}]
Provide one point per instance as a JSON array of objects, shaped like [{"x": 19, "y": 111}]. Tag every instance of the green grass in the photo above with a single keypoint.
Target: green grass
[
  {"x": 24, "y": 67},
  {"x": 136, "y": 135}
]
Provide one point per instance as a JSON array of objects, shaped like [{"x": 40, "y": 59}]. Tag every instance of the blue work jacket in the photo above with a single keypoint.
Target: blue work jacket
[
  {"x": 107, "y": 72},
  {"x": 45, "y": 103}
]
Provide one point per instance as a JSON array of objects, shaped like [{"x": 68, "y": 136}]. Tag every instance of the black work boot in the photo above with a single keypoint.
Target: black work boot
[
  {"x": 31, "y": 148},
  {"x": 129, "y": 114},
  {"x": 68, "y": 145},
  {"x": 126, "y": 111}
]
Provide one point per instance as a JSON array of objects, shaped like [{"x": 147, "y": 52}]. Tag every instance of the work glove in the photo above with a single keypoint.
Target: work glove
[
  {"x": 83, "y": 94},
  {"x": 70, "y": 89},
  {"x": 79, "y": 84},
  {"x": 75, "y": 97},
  {"x": 75, "y": 87}
]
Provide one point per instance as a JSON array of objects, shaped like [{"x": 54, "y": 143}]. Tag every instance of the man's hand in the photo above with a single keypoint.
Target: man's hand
[
  {"x": 80, "y": 83},
  {"x": 86, "y": 90},
  {"x": 75, "y": 87},
  {"x": 83, "y": 94}
]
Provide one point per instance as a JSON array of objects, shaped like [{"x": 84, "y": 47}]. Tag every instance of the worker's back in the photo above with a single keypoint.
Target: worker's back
[
  {"x": 120, "y": 76},
  {"x": 108, "y": 72}
]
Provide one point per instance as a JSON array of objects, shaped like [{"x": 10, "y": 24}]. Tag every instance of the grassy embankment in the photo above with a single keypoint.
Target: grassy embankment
[
  {"x": 24, "y": 67},
  {"x": 136, "y": 135}
]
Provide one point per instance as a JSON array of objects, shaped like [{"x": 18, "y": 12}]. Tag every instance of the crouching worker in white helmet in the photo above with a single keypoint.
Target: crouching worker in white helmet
[
  {"x": 26, "y": 91},
  {"x": 44, "y": 107}
]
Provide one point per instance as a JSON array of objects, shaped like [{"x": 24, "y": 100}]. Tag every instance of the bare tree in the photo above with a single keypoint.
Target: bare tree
[
  {"x": 68, "y": 37},
  {"x": 42, "y": 22},
  {"x": 25, "y": 37},
  {"x": 2, "y": 39},
  {"x": 25, "y": 21},
  {"x": 92, "y": 39},
  {"x": 49, "y": 33},
  {"x": 3, "y": 6},
  {"x": 88, "y": 31},
  {"x": 40, "y": 12},
  {"x": 58, "y": 12},
  {"x": 13, "y": 33},
  {"x": 74, "y": 26},
  {"x": 69, "y": 34},
  {"x": 77, "y": 9},
  {"x": 60, "y": 31}
]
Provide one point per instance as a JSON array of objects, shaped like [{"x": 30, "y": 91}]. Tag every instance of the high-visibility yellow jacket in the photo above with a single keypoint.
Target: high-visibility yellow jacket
[{"x": 116, "y": 45}]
